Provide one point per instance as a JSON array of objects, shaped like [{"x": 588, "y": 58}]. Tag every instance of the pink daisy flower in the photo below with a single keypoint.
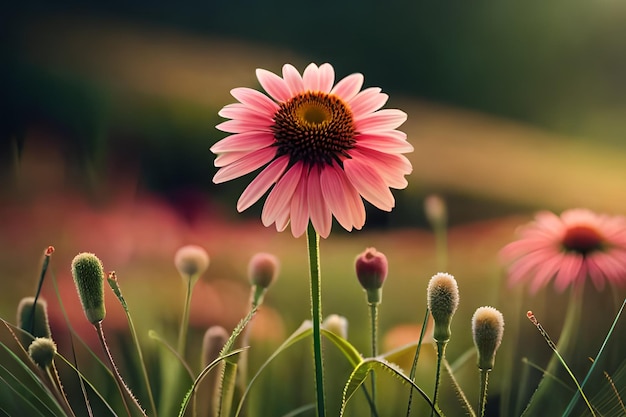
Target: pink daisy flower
[
  {"x": 323, "y": 146},
  {"x": 579, "y": 244}
]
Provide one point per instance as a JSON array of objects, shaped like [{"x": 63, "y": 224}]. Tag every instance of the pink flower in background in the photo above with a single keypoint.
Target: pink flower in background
[
  {"x": 323, "y": 146},
  {"x": 579, "y": 244}
]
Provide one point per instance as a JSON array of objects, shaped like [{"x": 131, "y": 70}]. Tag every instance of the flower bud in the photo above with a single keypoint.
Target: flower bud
[
  {"x": 191, "y": 261},
  {"x": 263, "y": 269},
  {"x": 32, "y": 319},
  {"x": 89, "y": 279},
  {"x": 371, "y": 270},
  {"x": 443, "y": 300},
  {"x": 42, "y": 351},
  {"x": 336, "y": 324},
  {"x": 487, "y": 329},
  {"x": 212, "y": 343},
  {"x": 435, "y": 210}
]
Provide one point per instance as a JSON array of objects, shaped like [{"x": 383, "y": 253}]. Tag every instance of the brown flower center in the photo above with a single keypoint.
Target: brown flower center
[
  {"x": 314, "y": 127},
  {"x": 582, "y": 239}
]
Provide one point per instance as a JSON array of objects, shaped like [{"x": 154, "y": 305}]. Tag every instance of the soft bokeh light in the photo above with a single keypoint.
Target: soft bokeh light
[{"x": 108, "y": 117}]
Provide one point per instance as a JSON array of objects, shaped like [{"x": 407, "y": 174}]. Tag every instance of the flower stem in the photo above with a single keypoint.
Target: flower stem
[
  {"x": 441, "y": 351},
  {"x": 313, "y": 246},
  {"x": 374, "y": 334},
  {"x": 121, "y": 385},
  {"x": 482, "y": 399},
  {"x": 182, "y": 335}
]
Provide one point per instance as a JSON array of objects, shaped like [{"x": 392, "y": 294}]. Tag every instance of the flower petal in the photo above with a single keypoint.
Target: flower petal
[
  {"x": 392, "y": 141},
  {"x": 300, "y": 206},
  {"x": 228, "y": 158},
  {"x": 275, "y": 86},
  {"x": 386, "y": 119},
  {"x": 391, "y": 167},
  {"x": 245, "y": 165},
  {"x": 321, "y": 216},
  {"x": 262, "y": 183},
  {"x": 369, "y": 183},
  {"x": 367, "y": 101},
  {"x": 349, "y": 87},
  {"x": 311, "y": 78},
  {"x": 243, "y": 126},
  {"x": 248, "y": 141},
  {"x": 240, "y": 111},
  {"x": 293, "y": 79},
  {"x": 327, "y": 77},
  {"x": 342, "y": 198},
  {"x": 254, "y": 99},
  {"x": 281, "y": 194}
]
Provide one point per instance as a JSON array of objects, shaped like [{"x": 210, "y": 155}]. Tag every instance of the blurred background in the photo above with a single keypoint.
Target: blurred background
[{"x": 108, "y": 111}]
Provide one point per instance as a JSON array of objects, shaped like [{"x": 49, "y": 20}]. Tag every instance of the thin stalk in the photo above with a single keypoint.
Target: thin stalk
[
  {"x": 112, "y": 279},
  {"x": 121, "y": 385},
  {"x": 53, "y": 376},
  {"x": 482, "y": 399},
  {"x": 414, "y": 366},
  {"x": 42, "y": 276},
  {"x": 571, "y": 404},
  {"x": 560, "y": 359},
  {"x": 441, "y": 351},
  {"x": 374, "y": 335},
  {"x": 459, "y": 391},
  {"x": 313, "y": 241},
  {"x": 182, "y": 335}
]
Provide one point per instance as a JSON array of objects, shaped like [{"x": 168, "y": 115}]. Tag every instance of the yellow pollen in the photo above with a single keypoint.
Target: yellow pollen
[{"x": 314, "y": 114}]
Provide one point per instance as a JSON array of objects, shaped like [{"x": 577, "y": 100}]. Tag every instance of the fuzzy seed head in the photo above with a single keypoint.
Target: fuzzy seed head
[
  {"x": 42, "y": 351},
  {"x": 442, "y": 300},
  {"x": 35, "y": 321},
  {"x": 336, "y": 324},
  {"x": 263, "y": 269},
  {"x": 88, "y": 275},
  {"x": 191, "y": 261},
  {"x": 487, "y": 330}
]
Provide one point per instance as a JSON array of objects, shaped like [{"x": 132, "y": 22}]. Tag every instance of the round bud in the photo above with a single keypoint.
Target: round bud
[
  {"x": 487, "y": 330},
  {"x": 435, "y": 210},
  {"x": 443, "y": 300},
  {"x": 89, "y": 279},
  {"x": 263, "y": 269},
  {"x": 371, "y": 270},
  {"x": 191, "y": 261},
  {"x": 42, "y": 351}
]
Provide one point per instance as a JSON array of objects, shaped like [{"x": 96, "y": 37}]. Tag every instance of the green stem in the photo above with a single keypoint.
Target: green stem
[
  {"x": 374, "y": 334},
  {"x": 182, "y": 335},
  {"x": 414, "y": 365},
  {"x": 482, "y": 399},
  {"x": 55, "y": 381},
  {"x": 112, "y": 279},
  {"x": 313, "y": 241},
  {"x": 459, "y": 391},
  {"x": 441, "y": 351},
  {"x": 121, "y": 385}
]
